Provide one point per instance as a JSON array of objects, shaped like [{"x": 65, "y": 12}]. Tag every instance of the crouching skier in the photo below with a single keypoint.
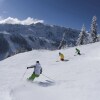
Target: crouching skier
[
  {"x": 37, "y": 71},
  {"x": 78, "y": 51},
  {"x": 61, "y": 56}
]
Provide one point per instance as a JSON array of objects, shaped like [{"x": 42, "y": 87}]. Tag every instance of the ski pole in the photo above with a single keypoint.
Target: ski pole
[
  {"x": 24, "y": 74},
  {"x": 48, "y": 77}
]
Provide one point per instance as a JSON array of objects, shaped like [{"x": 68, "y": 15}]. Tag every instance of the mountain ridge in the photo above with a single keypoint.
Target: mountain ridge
[{"x": 18, "y": 38}]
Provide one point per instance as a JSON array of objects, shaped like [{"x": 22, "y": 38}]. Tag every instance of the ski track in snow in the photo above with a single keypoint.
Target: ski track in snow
[{"x": 76, "y": 79}]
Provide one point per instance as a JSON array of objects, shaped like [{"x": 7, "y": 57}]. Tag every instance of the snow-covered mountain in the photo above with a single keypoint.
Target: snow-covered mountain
[
  {"x": 76, "y": 79},
  {"x": 15, "y": 38}
]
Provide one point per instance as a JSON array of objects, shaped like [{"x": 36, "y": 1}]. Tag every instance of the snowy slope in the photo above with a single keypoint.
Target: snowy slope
[{"x": 76, "y": 79}]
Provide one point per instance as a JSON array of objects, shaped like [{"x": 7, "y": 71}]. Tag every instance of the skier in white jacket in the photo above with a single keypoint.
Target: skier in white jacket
[{"x": 37, "y": 71}]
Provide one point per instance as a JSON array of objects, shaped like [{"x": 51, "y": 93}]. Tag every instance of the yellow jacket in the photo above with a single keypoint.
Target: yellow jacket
[{"x": 61, "y": 56}]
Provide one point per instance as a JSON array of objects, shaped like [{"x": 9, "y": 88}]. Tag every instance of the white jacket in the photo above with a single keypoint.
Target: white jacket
[{"x": 37, "y": 68}]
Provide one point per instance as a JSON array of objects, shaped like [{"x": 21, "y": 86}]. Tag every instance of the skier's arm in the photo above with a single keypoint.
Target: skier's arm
[
  {"x": 31, "y": 66},
  {"x": 41, "y": 71}
]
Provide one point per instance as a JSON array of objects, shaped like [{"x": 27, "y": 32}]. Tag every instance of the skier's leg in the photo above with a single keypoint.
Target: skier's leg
[
  {"x": 62, "y": 59},
  {"x": 79, "y": 53},
  {"x": 32, "y": 77}
]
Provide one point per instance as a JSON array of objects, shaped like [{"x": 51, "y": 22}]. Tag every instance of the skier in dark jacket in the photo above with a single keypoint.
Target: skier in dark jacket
[
  {"x": 37, "y": 71},
  {"x": 78, "y": 51}
]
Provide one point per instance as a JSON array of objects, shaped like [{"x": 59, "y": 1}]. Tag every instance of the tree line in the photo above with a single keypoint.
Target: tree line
[
  {"x": 88, "y": 37},
  {"x": 84, "y": 36}
]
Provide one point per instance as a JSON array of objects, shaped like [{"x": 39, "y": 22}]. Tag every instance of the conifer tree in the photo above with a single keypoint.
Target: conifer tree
[
  {"x": 93, "y": 30},
  {"x": 62, "y": 42},
  {"x": 82, "y": 37}
]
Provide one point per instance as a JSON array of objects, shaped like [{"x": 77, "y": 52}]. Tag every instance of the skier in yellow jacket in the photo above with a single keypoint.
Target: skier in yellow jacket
[{"x": 61, "y": 56}]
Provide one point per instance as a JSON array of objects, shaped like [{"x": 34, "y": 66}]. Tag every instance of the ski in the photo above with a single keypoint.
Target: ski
[
  {"x": 63, "y": 60},
  {"x": 49, "y": 81}
]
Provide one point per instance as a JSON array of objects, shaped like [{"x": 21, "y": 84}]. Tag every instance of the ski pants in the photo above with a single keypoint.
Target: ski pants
[{"x": 32, "y": 77}]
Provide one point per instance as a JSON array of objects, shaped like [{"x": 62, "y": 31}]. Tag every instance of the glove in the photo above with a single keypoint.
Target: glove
[{"x": 27, "y": 67}]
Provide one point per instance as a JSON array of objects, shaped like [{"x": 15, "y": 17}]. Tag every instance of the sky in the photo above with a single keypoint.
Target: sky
[{"x": 67, "y": 13}]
